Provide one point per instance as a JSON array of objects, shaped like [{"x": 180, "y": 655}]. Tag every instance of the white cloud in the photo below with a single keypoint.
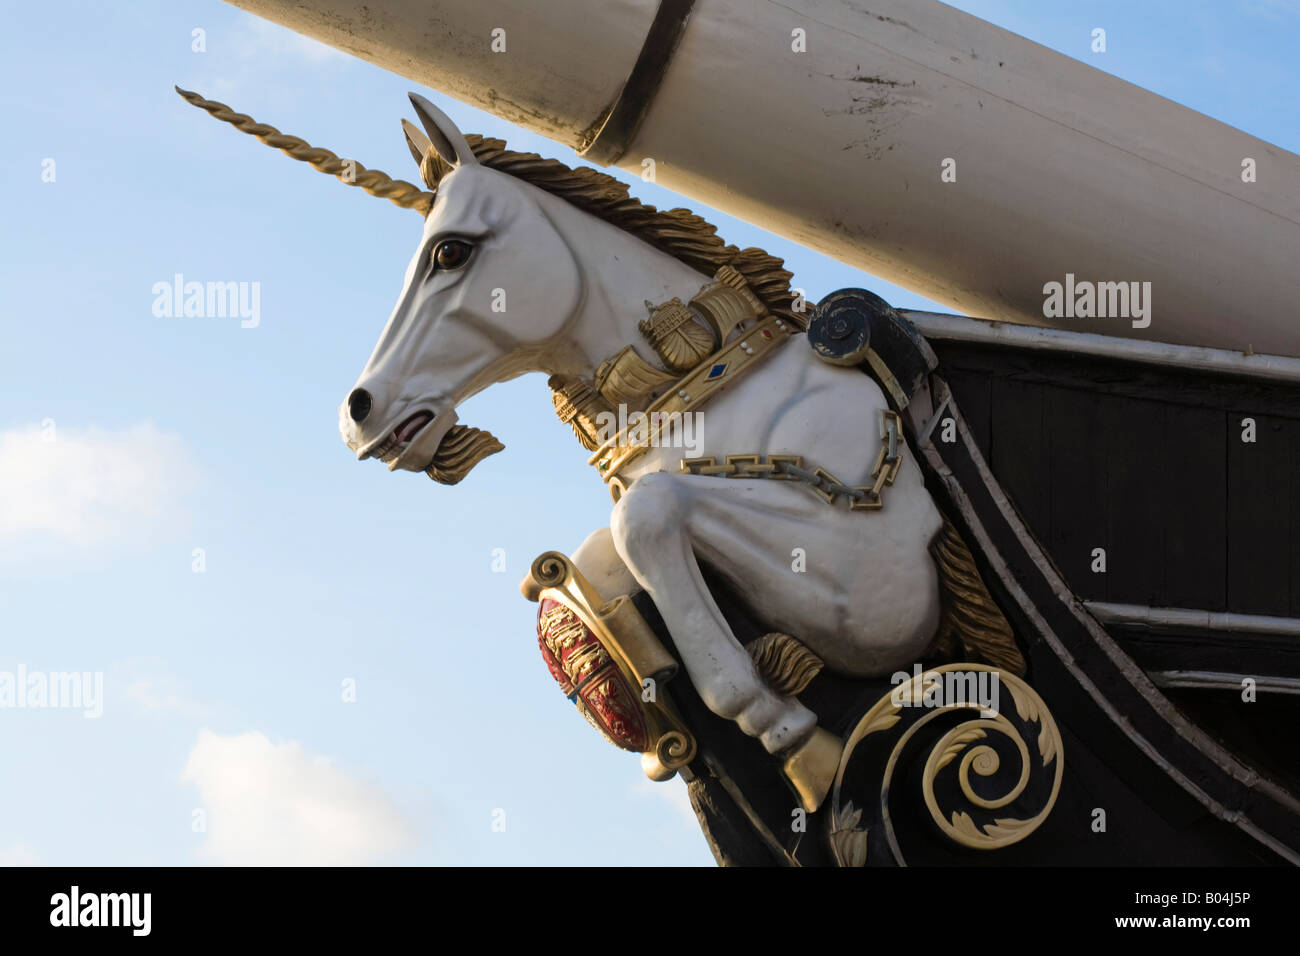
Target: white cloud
[
  {"x": 275, "y": 805},
  {"x": 20, "y": 854},
  {"x": 90, "y": 486}
]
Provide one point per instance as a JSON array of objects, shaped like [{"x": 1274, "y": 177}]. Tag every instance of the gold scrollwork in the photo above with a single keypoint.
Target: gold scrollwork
[
  {"x": 549, "y": 569},
  {"x": 673, "y": 750},
  {"x": 971, "y": 741}
]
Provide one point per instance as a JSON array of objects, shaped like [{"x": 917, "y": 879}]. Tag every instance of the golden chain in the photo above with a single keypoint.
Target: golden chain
[{"x": 821, "y": 481}]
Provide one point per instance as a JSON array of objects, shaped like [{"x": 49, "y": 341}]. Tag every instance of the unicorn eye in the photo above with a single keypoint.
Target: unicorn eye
[{"x": 452, "y": 254}]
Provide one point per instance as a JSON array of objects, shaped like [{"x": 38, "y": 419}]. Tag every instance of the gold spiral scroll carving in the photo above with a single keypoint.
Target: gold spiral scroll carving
[
  {"x": 957, "y": 782},
  {"x": 672, "y": 751}
]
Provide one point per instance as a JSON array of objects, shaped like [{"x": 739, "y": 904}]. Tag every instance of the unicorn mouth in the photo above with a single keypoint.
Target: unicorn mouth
[
  {"x": 409, "y": 428},
  {"x": 446, "y": 454},
  {"x": 399, "y": 439}
]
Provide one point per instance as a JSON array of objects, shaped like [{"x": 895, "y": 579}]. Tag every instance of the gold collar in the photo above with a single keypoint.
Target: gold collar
[
  {"x": 690, "y": 341},
  {"x": 690, "y": 393}
]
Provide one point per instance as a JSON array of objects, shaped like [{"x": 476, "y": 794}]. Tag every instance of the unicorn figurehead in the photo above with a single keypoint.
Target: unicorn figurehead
[{"x": 525, "y": 264}]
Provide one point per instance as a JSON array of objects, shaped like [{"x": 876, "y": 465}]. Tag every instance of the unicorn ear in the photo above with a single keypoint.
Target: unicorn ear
[
  {"x": 445, "y": 138},
  {"x": 432, "y": 166},
  {"x": 416, "y": 141}
]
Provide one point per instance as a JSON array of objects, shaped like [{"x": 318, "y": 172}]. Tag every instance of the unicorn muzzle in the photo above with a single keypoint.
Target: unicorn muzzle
[
  {"x": 421, "y": 440},
  {"x": 412, "y": 444}
]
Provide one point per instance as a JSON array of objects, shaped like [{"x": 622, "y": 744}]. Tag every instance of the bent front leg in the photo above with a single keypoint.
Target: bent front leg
[{"x": 650, "y": 530}]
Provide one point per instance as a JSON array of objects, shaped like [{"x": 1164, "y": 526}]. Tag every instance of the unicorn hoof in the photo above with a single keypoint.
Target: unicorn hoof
[{"x": 811, "y": 768}]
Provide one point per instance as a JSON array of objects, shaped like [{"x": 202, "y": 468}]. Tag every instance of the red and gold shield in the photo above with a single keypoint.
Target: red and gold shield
[{"x": 590, "y": 677}]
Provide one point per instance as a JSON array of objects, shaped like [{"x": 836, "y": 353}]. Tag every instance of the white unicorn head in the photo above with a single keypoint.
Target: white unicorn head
[
  {"x": 524, "y": 264},
  {"x": 457, "y": 328}
]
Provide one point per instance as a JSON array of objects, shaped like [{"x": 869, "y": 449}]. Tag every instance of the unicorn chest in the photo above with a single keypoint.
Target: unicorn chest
[{"x": 793, "y": 407}]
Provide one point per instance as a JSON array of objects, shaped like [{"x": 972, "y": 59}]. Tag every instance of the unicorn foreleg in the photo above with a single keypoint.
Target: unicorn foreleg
[{"x": 650, "y": 527}]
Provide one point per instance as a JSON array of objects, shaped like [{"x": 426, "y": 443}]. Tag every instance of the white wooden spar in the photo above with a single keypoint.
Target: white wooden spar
[{"x": 838, "y": 141}]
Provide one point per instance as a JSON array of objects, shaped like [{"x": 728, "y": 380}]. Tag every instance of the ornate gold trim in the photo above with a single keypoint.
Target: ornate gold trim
[
  {"x": 692, "y": 391},
  {"x": 578, "y": 405},
  {"x": 848, "y": 836},
  {"x": 727, "y": 302},
  {"x": 680, "y": 342},
  {"x": 1004, "y": 831},
  {"x": 628, "y": 379}
]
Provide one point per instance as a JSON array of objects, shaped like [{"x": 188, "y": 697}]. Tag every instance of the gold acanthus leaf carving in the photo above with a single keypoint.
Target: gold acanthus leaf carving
[
  {"x": 960, "y": 741},
  {"x": 848, "y": 837}
]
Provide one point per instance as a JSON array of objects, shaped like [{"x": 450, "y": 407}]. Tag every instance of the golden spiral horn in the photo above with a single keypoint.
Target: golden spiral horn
[{"x": 407, "y": 195}]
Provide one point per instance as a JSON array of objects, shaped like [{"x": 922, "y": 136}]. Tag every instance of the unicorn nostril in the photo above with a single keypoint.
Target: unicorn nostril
[{"x": 359, "y": 403}]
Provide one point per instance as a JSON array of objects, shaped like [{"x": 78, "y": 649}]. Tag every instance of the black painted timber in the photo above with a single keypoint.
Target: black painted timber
[{"x": 1147, "y": 463}]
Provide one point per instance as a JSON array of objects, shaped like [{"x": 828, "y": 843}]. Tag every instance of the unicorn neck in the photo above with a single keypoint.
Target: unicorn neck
[
  {"x": 607, "y": 362},
  {"x": 621, "y": 274}
]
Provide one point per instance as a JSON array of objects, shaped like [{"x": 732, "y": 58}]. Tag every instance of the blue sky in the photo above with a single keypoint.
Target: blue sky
[{"x": 223, "y": 689}]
